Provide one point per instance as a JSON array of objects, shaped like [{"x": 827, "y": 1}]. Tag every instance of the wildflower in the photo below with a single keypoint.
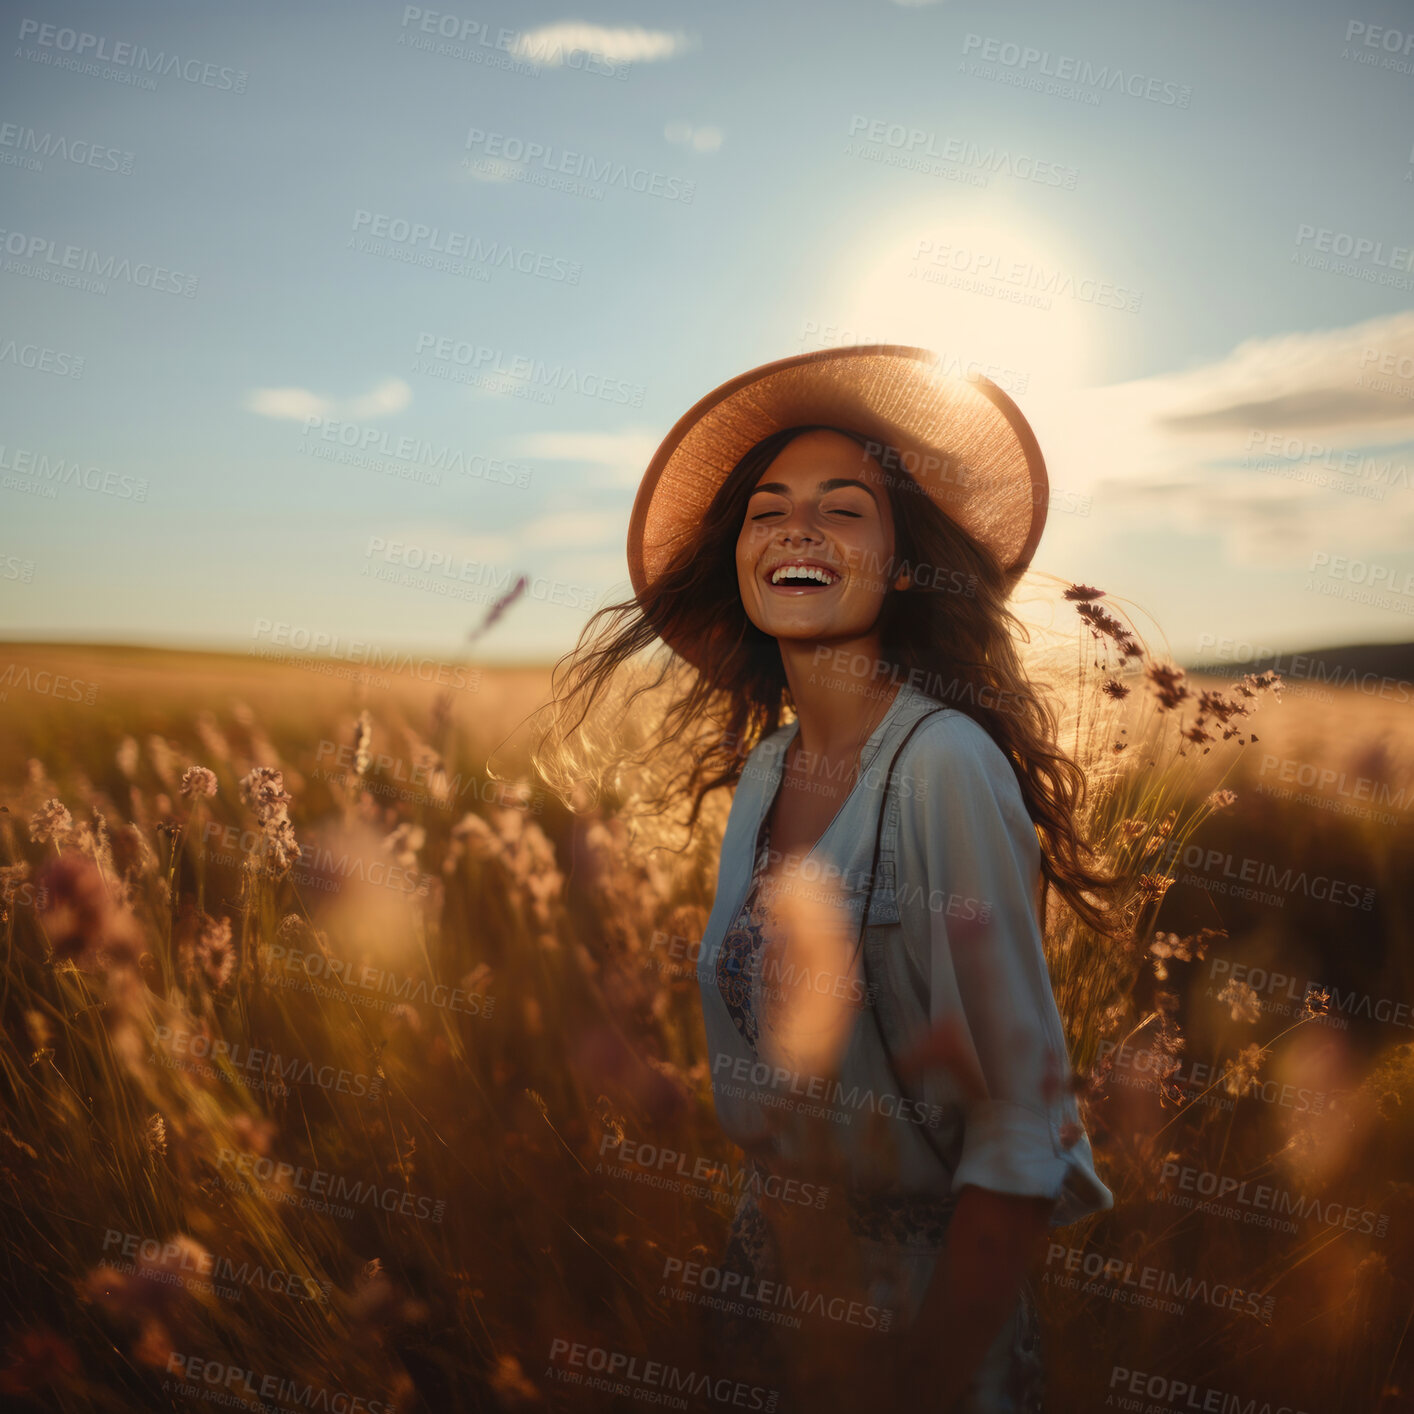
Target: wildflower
[
  {"x": 1221, "y": 799},
  {"x": 216, "y": 953},
  {"x": 510, "y": 1382},
  {"x": 41, "y": 1034},
  {"x": 1164, "y": 946},
  {"x": 164, "y": 759},
  {"x": 254, "y": 1133},
  {"x": 11, "y": 877},
  {"x": 1103, "y": 624},
  {"x": 51, "y": 821},
  {"x": 1153, "y": 886},
  {"x": 263, "y": 789},
  {"x": 1115, "y": 689},
  {"x": 79, "y": 917},
  {"x": 363, "y": 734},
  {"x": 1238, "y": 1075},
  {"x": 1083, "y": 592},
  {"x": 198, "y": 781},
  {"x": 155, "y": 1136},
  {"x": 36, "y": 1357},
  {"x": 1317, "y": 1002},
  {"x": 403, "y": 844},
  {"x": 1168, "y": 684},
  {"x": 499, "y": 608},
  {"x": 1244, "y": 1000},
  {"x": 127, "y": 756}
]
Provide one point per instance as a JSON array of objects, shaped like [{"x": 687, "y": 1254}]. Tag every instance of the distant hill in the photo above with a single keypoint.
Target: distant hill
[{"x": 1349, "y": 663}]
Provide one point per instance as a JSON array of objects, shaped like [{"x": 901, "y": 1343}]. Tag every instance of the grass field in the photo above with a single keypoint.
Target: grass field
[{"x": 356, "y": 1128}]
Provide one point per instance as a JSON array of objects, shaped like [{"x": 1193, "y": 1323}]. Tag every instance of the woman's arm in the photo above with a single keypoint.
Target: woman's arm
[
  {"x": 992, "y": 1241},
  {"x": 997, "y": 1046}
]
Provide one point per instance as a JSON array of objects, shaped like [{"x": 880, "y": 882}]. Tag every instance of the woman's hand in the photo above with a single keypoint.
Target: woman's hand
[{"x": 992, "y": 1240}]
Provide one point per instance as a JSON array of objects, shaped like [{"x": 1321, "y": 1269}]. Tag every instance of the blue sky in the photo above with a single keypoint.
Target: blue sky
[{"x": 1218, "y": 197}]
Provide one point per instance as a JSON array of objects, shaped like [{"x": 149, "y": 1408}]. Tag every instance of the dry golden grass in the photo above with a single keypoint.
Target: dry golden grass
[{"x": 349, "y": 1128}]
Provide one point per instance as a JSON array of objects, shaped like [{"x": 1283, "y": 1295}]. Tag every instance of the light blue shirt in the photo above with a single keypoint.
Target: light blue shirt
[{"x": 953, "y": 941}]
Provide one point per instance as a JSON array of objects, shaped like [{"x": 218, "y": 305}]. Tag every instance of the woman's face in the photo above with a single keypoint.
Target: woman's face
[{"x": 821, "y": 505}]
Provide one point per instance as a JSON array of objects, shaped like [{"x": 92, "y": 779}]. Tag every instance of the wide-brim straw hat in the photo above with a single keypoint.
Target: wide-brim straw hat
[{"x": 960, "y": 437}]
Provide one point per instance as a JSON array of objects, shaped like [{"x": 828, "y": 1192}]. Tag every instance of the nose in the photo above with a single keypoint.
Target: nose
[{"x": 799, "y": 525}]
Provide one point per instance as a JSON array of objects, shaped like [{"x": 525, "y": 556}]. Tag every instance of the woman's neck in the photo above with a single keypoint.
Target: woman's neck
[{"x": 841, "y": 693}]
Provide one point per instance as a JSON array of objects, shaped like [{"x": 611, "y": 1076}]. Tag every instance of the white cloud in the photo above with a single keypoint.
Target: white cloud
[
  {"x": 704, "y": 139},
  {"x": 298, "y": 404},
  {"x": 1240, "y": 446},
  {"x": 549, "y": 44},
  {"x": 624, "y": 455}
]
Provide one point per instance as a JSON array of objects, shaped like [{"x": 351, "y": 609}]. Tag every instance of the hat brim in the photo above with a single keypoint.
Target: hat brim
[{"x": 962, "y": 439}]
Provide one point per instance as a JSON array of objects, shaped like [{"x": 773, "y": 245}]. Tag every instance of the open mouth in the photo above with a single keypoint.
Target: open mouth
[{"x": 802, "y": 577}]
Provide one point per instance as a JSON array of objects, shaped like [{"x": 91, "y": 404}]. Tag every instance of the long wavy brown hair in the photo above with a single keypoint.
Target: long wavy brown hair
[{"x": 950, "y": 633}]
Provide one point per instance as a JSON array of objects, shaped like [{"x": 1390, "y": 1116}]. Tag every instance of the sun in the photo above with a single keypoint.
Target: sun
[{"x": 1001, "y": 296}]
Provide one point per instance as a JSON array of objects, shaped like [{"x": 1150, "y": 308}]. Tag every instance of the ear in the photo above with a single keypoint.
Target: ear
[{"x": 904, "y": 581}]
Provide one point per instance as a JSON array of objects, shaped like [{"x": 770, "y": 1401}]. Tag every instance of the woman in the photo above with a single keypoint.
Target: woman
[{"x": 837, "y": 534}]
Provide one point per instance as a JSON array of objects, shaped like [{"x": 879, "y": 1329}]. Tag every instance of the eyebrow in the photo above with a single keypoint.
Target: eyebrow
[{"x": 833, "y": 484}]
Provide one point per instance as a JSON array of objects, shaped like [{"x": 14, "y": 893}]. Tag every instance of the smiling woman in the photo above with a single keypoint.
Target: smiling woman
[{"x": 815, "y": 539}]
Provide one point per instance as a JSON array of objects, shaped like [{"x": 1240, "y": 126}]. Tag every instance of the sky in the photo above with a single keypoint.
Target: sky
[{"x": 298, "y": 300}]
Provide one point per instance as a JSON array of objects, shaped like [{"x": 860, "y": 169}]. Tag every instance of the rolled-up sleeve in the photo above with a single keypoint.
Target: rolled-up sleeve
[{"x": 991, "y": 1006}]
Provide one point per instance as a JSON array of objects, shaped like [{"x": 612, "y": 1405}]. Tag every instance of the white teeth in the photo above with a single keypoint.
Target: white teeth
[{"x": 802, "y": 572}]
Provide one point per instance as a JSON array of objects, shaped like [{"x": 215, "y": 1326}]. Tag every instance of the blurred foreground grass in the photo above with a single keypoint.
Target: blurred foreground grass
[{"x": 331, "y": 1132}]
